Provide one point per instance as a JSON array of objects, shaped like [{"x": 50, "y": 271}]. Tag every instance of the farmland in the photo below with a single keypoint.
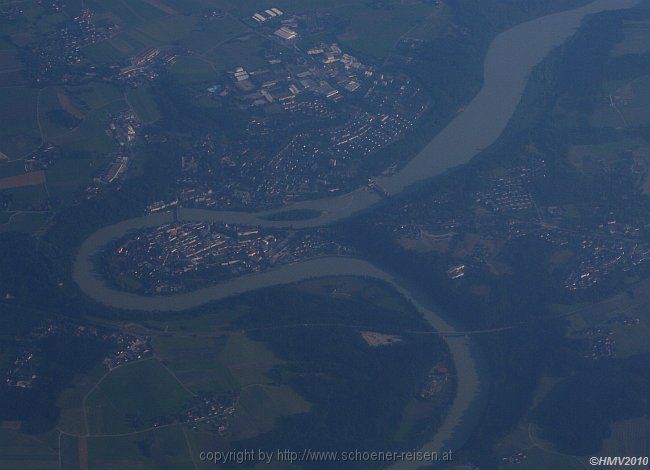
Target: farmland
[{"x": 224, "y": 352}]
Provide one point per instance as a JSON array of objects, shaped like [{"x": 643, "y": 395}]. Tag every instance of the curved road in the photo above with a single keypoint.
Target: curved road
[{"x": 509, "y": 61}]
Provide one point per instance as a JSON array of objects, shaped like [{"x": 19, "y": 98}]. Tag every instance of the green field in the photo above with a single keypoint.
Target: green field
[
  {"x": 132, "y": 411},
  {"x": 19, "y": 132},
  {"x": 28, "y": 198},
  {"x": 94, "y": 95},
  {"x": 110, "y": 51},
  {"x": 27, "y": 222},
  {"x": 9, "y": 58},
  {"x": 196, "y": 362},
  {"x": 11, "y": 78},
  {"x": 631, "y": 101},
  {"x": 79, "y": 128},
  {"x": 629, "y": 437},
  {"x": 375, "y": 32},
  {"x": 260, "y": 406},
  {"x": 119, "y": 48},
  {"x": 54, "y": 118},
  {"x": 66, "y": 177},
  {"x": 143, "y": 104},
  {"x": 11, "y": 168},
  {"x": 168, "y": 29},
  {"x": 212, "y": 34},
  {"x": 96, "y": 103},
  {"x": 192, "y": 70},
  {"x": 162, "y": 448},
  {"x": 636, "y": 39},
  {"x": 70, "y": 402},
  {"x": 127, "y": 13},
  {"x": 343, "y": 287},
  {"x": 70, "y": 452},
  {"x": 629, "y": 339},
  {"x": 245, "y": 51},
  {"x": 133, "y": 397},
  {"x": 27, "y": 452},
  {"x": 370, "y": 30},
  {"x": 222, "y": 364}
]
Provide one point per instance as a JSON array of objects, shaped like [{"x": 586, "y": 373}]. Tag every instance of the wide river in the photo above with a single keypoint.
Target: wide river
[{"x": 509, "y": 61}]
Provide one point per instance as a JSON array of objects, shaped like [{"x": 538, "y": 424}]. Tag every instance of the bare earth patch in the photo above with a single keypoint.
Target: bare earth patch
[
  {"x": 27, "y": 179},
  {"x": 162, "y": 7},
  {"x": 375, "y": 339},
  {"x": 67, "y": 104},
  {"x": 83, "y": 453},
  {"x": 12, "y": 425}
]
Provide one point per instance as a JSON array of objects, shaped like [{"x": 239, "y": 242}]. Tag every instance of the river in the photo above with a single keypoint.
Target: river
[{"x": 511, "y": 57}]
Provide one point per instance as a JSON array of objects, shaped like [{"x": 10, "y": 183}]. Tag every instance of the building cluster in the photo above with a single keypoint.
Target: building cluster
[
  {"x": 42, "y": 158},
  {"x": 440, "y": 219},
  {"x": 52, "y": 6},
  {"x": 145, "y": 66},
  {"x": 366, "y": 133},
  {"x": 599, "y": 339},
  {"x": 324, "y": 71},
  {"x": 434, "y": 383},
  {"x": 313, "y": 146},
  {"x": 595, "y": 247},
  {"x": 599, "y": 257},
  {"x": 11, "y": 12},
  {"x": 163, "y": 259},
  {"x": 601, "y": 345},
  {"x": 213, "y": 13},
  {"x": 30, "y": 364},
  {"x": 179, "y": 256},
  {"x": 508, "y": 194},
  {"x": 115, "y": 170},
  {"x": 456, "y": 272},
  {"x": 315, "y": 117},
  {"x": 159, "y": 206},
  {"x": 124, "y": 128},
  {"x": 309, "y": 245},
  {"x": 595, "y": 256},
  {"x": 128, "y": 349},
  {"x": 88, "y": 31},
  {"x": 24, "y": 372},
  {"x": 217, "y": 410},
  {"x": 57, "y": 56},
  {"x": 515, "y": 458},
  {"x": 269, "y": 14},
  {"x": 285, "y": 33}
]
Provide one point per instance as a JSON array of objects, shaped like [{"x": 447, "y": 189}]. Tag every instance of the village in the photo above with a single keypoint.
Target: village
[
  {"x": 58, "y": 56},
  {"x": 28, "y": 370},
  {"x": 217, "y": 410}
]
